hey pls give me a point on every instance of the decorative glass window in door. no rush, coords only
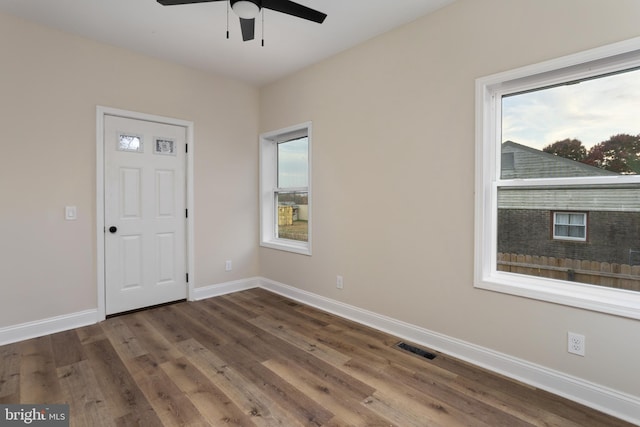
(165, 146)
(128, 142)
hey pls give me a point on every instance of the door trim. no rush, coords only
(101, 112)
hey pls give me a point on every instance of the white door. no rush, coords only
(145, 210)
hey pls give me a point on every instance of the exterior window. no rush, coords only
(570, 226)
(292, 192)
(554, 141)
(285, 194)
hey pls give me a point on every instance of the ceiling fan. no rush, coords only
(247, 10)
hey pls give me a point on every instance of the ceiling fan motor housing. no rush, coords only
(246, 9)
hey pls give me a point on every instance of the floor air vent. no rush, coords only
(415, 350)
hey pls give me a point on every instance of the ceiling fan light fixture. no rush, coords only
(245, 9)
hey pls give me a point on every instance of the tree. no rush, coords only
(620, 153)
(568, 148)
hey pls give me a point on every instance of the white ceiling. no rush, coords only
(195, 34)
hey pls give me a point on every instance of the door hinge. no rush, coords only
(187, 277)
(186, 213)
(186, 148)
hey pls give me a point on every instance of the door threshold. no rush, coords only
(136, 310)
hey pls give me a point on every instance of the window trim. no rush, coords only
(269, 187)
(585, 225)
(489, 92)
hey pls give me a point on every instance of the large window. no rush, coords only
(557, 157)
(285, 191)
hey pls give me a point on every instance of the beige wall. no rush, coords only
(393, 137)
(50, 85)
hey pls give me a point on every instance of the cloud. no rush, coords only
(591, 111)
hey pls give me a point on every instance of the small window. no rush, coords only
(165, 146)
(285, 190)
(128, 142)
(570, 226)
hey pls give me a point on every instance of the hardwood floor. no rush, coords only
(254, 358)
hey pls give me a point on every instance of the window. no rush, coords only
(555, 141)
(570, 226)
(285, 189)
(130, 143)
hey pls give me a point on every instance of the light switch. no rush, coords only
(70, 213)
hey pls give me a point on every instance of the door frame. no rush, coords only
(101, 112)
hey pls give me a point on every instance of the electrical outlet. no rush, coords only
(228, 266)
(339, 282)
(576, 343)
(70, 213)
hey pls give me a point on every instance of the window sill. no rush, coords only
(301, 248)
(618, 302)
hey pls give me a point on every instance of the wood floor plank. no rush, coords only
(10, 373)
(150, 339)
(300, 340)
(67, 348)
(302, 407)
(91, 333)
(283, 309)
(538, 404)
(243, 308)
(38, 377)
(512, 404)
(123, 339)
(245, 394)
(122, 394)
(255, 358)
(83, 394)
(441, 389)
(216, 407)
(187, 317)
(392, 392)
(172, 406)
(331, 376)
(346, 407)
(222, 330)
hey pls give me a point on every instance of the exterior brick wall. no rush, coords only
(610, 236)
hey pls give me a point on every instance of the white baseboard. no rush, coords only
(52, 325)
(225, 288)
(613, 402)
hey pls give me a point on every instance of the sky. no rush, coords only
(293, 163)
(591, 111)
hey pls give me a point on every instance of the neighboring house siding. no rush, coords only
(582, 200)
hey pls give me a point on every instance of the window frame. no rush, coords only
(584, 225)
(489, 92)
(269, 189)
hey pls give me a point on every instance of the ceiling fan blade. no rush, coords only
(176, 2)
(294, 9)
(248, 28)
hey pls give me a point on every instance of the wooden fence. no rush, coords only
(621, 276)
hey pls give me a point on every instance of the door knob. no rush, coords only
(113, 229)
